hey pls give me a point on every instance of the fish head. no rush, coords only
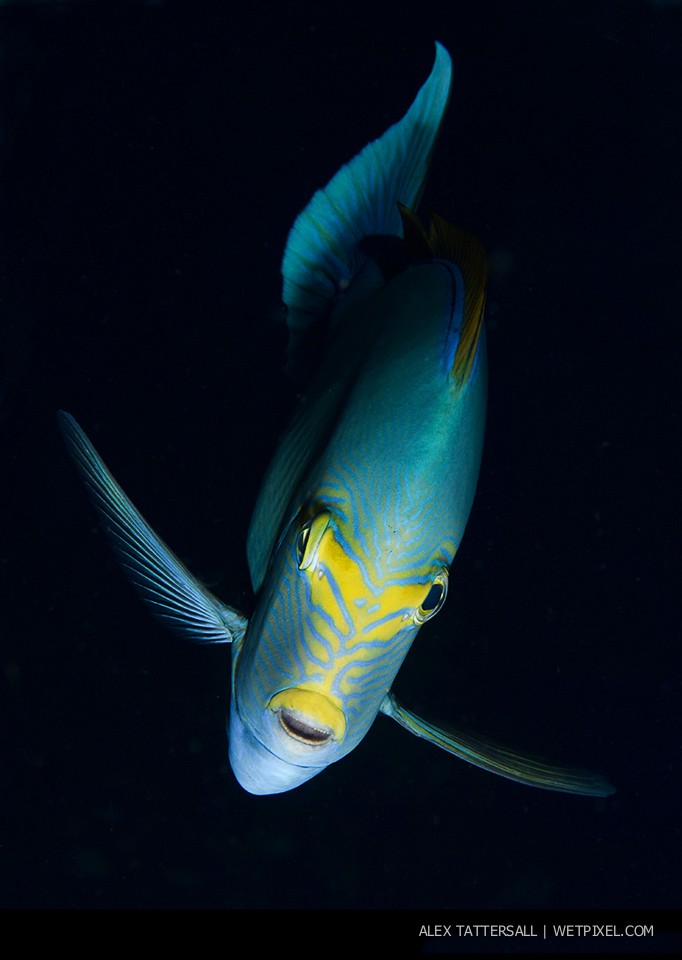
(322, 649)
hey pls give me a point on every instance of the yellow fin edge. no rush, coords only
(448, 242)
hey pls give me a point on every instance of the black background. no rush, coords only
(153, 159)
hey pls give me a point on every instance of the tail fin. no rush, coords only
(321, 256)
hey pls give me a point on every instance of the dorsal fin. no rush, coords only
(322, 256)
(466, 251)
(448, 242)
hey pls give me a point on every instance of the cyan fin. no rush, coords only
(174, 595)
(490, 756)
(321, 257)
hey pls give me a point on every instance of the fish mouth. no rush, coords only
(302, 730)
(257, 768)
(308, 716)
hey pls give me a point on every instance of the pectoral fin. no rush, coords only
(497, 759)
(174, 595)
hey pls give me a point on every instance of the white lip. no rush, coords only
(256, 768)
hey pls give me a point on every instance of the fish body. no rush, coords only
(367, 497)
(386, 504)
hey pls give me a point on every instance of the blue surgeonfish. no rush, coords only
(365, 503)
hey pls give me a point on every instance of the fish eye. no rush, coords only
(434, 599)
(308, 539)
(301, 542)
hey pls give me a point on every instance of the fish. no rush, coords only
(368, 494)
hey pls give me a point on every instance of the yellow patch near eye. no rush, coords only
(347, 610)
(357, 613)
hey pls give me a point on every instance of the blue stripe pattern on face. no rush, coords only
(343, 624)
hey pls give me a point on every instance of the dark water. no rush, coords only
(152, 163)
